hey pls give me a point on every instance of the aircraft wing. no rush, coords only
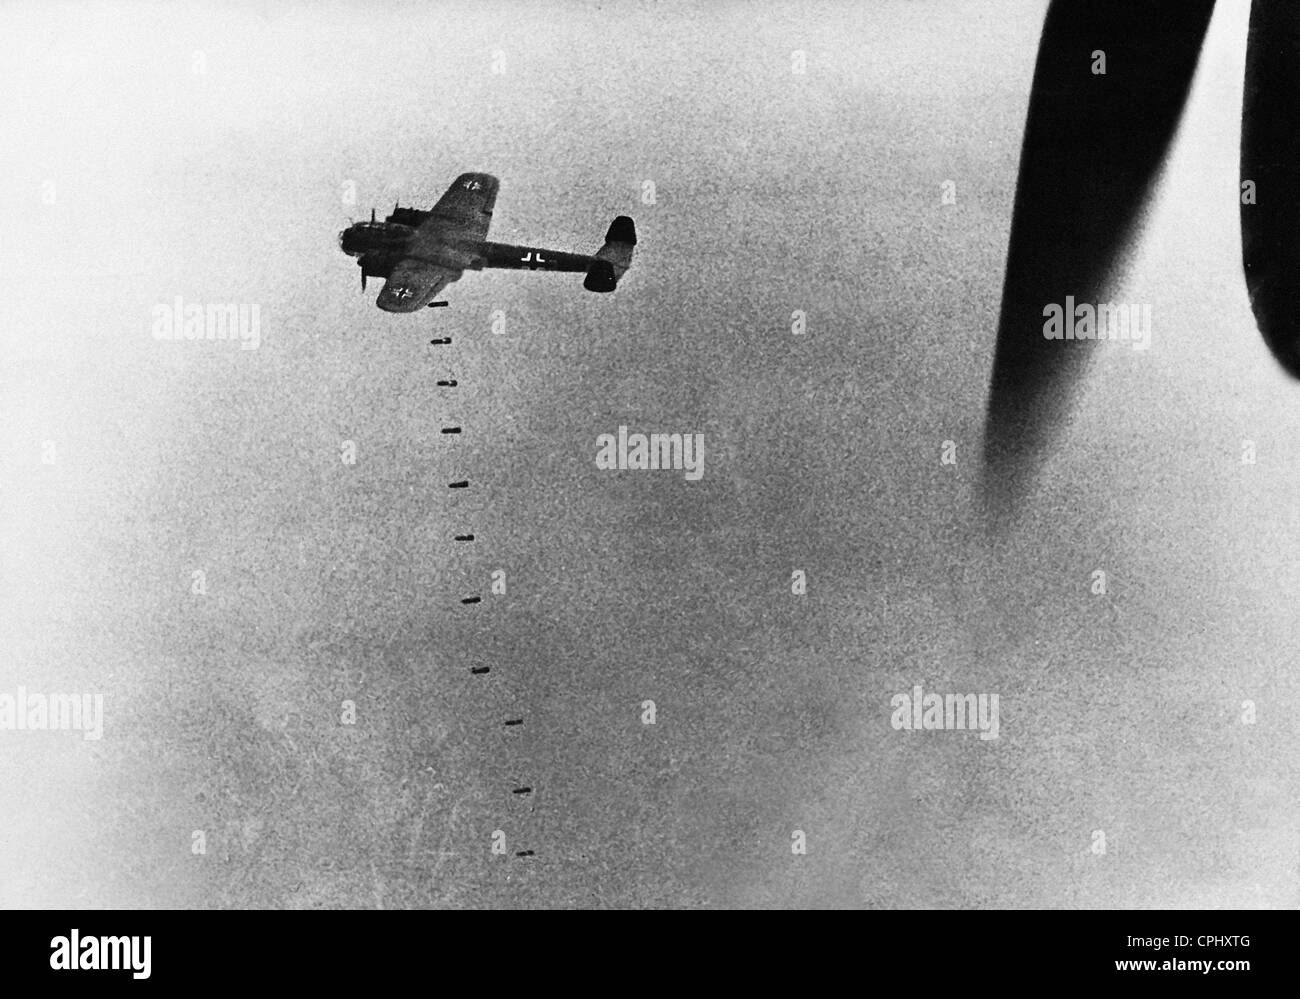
(465, 211)
(413, 284)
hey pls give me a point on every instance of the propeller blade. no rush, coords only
(1270, 250)
(363, 279)
(372, 215)
(1093, 146)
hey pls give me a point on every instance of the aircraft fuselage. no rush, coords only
(419, 253)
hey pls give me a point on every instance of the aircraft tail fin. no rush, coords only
(614, 258)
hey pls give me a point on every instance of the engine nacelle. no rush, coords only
(374, 239)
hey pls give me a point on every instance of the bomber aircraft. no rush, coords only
(419, 253)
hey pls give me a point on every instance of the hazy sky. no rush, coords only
(209, 152)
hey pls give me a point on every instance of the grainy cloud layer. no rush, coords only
(205, 153)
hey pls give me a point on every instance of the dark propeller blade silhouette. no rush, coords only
(1094, 142)
(1270, 160)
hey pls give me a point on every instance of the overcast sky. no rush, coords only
(211, 152)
